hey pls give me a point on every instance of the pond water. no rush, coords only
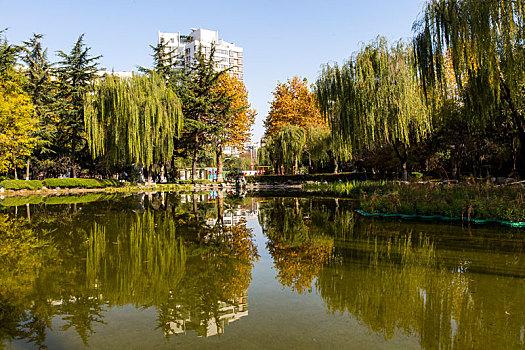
(164, 270)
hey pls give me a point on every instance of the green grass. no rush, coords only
(80, 183)
(351, 187)
(480, 202)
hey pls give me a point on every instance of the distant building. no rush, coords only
(249, 148)
(183, 48)
(103, 70)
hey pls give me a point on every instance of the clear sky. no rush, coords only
(280, 38)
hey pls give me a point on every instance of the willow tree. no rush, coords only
(375, 100)
(285, 148)
(134, 119)
(322, 147)
(485, 40)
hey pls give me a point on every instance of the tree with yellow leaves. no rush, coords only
(293, 104)
(16, 123)
(238, 119)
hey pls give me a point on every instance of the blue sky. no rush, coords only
(280, 38)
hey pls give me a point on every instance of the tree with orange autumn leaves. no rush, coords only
(293, 113)
(238, 121)
(293, 104)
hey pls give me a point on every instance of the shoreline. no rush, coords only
(134, 189)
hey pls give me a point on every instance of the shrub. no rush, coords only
(21, 184)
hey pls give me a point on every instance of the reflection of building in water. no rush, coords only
(236, 215)
(228, 312)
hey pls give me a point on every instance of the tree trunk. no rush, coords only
(405, 172)
(403, 159)
(163, 174)
(336, 166)
(219, 164)
(16, 173)
(27, 169)
(296, 167)
(149, 176)
(194, 160)
(73, 155)
(519, 121)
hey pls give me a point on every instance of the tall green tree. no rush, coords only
(205, 107)
(375, 100)
(485, 42)
(163, 61)
(75, 73)
(42, 91)
(133, 120)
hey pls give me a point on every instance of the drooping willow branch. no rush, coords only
(134, 119)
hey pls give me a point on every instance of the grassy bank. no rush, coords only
(350, 188)
(344, 177)
(471, 202)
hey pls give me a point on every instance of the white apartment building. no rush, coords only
(183, 48)
(123, 74)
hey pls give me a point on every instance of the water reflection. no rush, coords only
(77, 262)
(297, 248)
(449, 289)
(189, 260)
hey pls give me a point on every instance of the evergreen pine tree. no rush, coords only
(204, 106)
(75, 72)
(163, 61)
(42, 92)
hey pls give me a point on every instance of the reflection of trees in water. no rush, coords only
(297, 249)
(110, 255)
(433, 281)
(398, 282)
